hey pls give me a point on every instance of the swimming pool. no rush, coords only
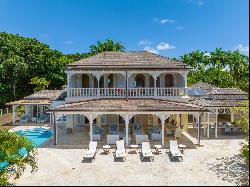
(37, 135)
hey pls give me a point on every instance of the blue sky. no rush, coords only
(167, 27)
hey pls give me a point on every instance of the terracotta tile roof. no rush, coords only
(206, 103)
(43, 97)
(46, 94)
(203, 86)
(130, 105)
(118, 59)
(209, 89)
(228, 91)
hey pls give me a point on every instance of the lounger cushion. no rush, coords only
(120, 153)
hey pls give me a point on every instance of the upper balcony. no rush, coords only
(83, 85)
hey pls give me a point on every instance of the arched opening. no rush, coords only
(169, 80)
(101, 83)
(95, 83)
(140, 81)
(110, 81)
(85, 81)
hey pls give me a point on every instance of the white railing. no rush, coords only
(170, 92)
(121, 92)
(112, 92)
(82, 92)
(140, 92)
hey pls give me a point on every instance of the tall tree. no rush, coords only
(220, 68)
(108, 45)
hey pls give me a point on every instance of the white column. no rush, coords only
(98, 86)
(68, 78)
(7, 110)
(198, 121)
(55, 128)
(184, 75)
(127, 123)
(155, 91)
(90, 127)
(216, 123)
(208, 130)
(13, 114)
(232, 116)
(50, 118)
(1, 112)
(162, 129)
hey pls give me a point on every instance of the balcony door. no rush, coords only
(111, 81)
(85, 81)
(169, 80)
(140, 81)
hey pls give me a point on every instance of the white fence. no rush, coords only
(121, 92)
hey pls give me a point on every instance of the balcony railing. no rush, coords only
(121, 92)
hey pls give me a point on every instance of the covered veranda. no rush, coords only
(33, 109)
(126, 109)
(220, 112)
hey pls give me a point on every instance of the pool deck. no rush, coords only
(201, 165)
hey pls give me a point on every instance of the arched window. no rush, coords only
(110, 81)
(169, 80)
(85, 81)
(139, 81)
(101, 83)
(95, 83)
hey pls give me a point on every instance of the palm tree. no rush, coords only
(108, 45)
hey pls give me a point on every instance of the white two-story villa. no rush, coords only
(135, 96)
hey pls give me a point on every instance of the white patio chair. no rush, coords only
(91, 152)
(175, 151)
(146, 151)
(120, 151)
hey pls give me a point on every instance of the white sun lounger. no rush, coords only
(91, 152)
(175, 151)
(120, 151)
(146, 151)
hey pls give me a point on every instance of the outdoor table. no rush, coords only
(182, 147)
(134, 147)
(157, 148)
(106, 149)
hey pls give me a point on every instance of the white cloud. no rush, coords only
(243, 49)
(151, 49)
(163, 21)
(68, 42)
(144, 42)
(179, 28)
(196, 2)
(164, 46)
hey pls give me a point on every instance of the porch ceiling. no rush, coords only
(131, 105)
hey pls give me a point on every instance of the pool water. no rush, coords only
(37, 135)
